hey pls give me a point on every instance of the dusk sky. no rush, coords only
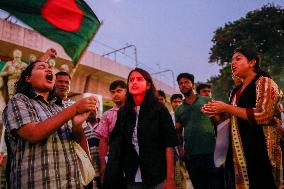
(168, 34)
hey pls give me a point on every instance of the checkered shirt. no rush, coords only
(93, 142)
(51, 163)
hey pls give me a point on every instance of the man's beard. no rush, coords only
(187, 92)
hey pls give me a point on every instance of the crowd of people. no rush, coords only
(138, 143)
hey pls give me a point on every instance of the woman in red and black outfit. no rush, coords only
(255, 155)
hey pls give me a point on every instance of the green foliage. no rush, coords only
(222, 84)
(263, 28)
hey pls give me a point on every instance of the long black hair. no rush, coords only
(24, 87)
(250, 52)
(150, 100)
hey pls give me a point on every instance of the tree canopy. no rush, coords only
(263, 28)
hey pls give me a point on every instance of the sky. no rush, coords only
(168, 34)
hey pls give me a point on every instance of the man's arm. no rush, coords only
(103, 149)
(179, 129)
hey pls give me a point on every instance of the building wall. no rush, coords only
(93, 74)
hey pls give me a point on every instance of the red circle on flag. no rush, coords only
(63, 14)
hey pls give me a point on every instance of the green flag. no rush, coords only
(71, 23)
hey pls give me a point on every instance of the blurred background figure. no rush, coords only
(32, 58)
(162, 97)
(204, 89)
(12, 70)
(62, 87)
(117, 91)
(93, 143)
(176, 100)
(64, 68)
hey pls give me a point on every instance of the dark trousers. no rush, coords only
(203, 173)
(97, 184)
(141, 186)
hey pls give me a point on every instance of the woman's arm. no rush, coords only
(217, 107)
(37, 131)
(170, 180)
(267, 97)
(77, 128)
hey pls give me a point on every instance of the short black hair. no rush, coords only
(187, 76)
(162, 93)
(117, 83)
(63, 74)
(175, 96)
(202, 86)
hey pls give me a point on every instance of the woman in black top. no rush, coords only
(147, 135)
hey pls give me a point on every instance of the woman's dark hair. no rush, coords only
(250, 52)
(150, 100)
(24, 87)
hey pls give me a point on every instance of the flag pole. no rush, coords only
(84, 51)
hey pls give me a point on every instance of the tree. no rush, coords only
(222, 84)
(263, 28)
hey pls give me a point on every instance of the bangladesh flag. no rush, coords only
(71, 23)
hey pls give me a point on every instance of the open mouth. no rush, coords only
(49, 77)
(133, 88)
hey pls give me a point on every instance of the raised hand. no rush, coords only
(214, 107)
(50, 53)
(80, 118)
(86, 104)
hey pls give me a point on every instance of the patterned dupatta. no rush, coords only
(240, 167)
(271, 133)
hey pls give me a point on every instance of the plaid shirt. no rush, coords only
(93, 142)
(51, 163)
(107, 122)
